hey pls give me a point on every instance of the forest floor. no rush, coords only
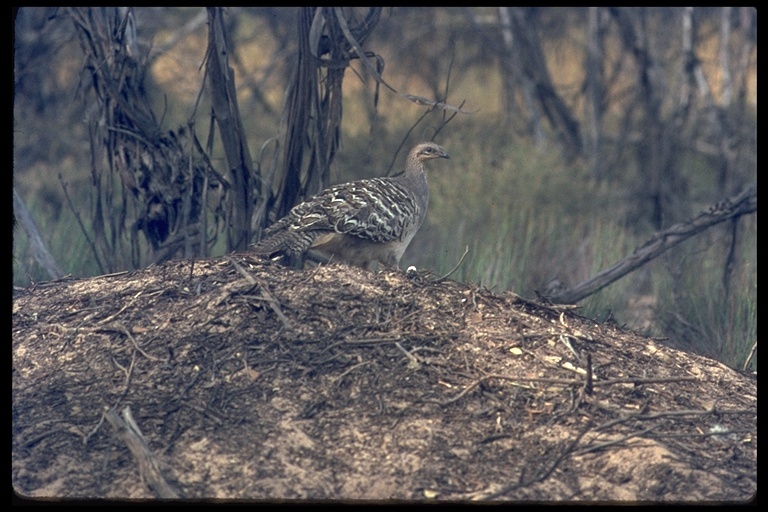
(236, 378)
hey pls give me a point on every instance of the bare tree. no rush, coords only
(328, 39)
(732, 113)
(657, 145)
(516, 80)
(525, 73)
(164, 175)
(240, 168)
(158, 180)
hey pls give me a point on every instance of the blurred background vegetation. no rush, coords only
(575, 135)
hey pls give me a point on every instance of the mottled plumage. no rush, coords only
(360, 222)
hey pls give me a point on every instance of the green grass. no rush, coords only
(59, 229)
(694, 309)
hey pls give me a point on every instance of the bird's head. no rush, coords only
(427, 151)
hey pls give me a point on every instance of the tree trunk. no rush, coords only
(224, 99)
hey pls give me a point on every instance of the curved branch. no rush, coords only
(741, 204)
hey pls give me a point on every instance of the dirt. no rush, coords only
(236, 378)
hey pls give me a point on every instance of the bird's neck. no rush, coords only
(414, 168)
(416, 178)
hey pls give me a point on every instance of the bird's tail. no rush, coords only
(284, 242)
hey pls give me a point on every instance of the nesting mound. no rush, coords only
(238, 378)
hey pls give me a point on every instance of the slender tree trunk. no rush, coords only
(301, 99)
(595, 91)
(516, 80)
(225, 108)
(726, 83)
(657, 145)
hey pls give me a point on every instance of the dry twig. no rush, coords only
(127, 430)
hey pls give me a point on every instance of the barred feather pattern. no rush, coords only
(366, 220)
(379, 209)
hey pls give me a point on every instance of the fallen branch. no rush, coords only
(39, 249)
(606, 444)
(643, 416)
(741, 204)
(544, 474)
(473, 385)
(265, 294)
(564, 382)
(128, 431)
(638, 381)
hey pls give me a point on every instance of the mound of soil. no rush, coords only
(238, 378)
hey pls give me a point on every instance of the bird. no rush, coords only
(365, 223)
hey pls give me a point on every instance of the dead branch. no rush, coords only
(443, 278)
(741, 204)
(118, 327)
(601, 446)
(127, 430)
(544, 474)
(159, 181)
(611, 382)
(749, 357)
(265, 294)
(564, 382)
(39, 249)
(232, 132)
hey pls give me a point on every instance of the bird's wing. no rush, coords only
(378, 209)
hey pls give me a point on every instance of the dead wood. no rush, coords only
(741, 204)
(129, 432)
(39, 248)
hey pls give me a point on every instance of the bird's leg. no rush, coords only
(317, 257)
